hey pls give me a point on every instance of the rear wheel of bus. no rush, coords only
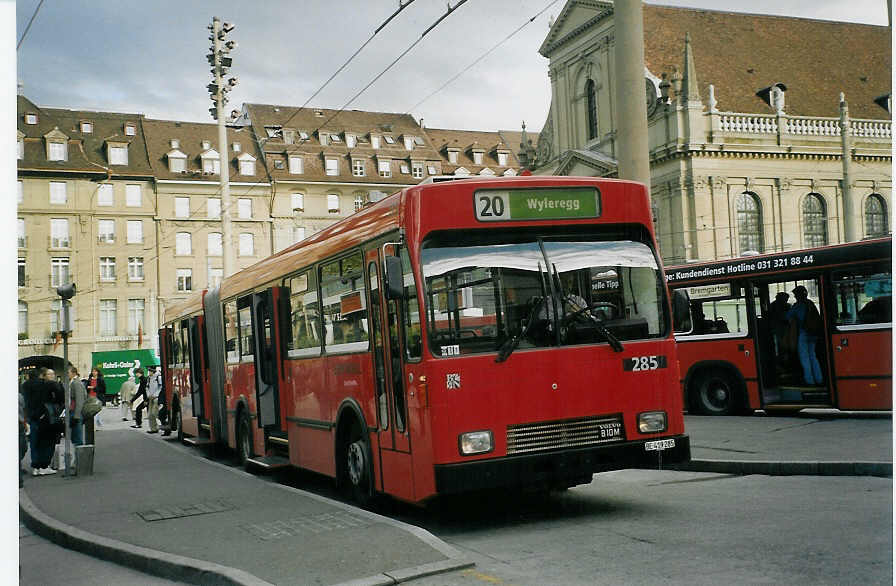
(716, 392)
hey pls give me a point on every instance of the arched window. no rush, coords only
(749, 222)
(592, 109)
(875, 216)
(815, 224)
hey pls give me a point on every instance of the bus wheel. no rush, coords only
(715, 393)
(243, 439)
(357, 462)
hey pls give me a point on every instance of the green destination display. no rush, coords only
(565, 203)
(118, 365)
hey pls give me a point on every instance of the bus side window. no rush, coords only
(681, 311)
(864, 296)
(304, 339)
(413, 343)
(231, 333)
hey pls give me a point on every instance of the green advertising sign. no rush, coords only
(118, 365)
(549, 203)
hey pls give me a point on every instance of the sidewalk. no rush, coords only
(169, 512)
(816, 442)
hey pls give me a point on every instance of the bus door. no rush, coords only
(862, 336)
(779, 346)
(266, 357)
(197, 367)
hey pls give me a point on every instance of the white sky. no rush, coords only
(149, 57)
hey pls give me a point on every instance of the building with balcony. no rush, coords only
(745, 125)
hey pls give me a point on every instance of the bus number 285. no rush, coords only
(643, 363)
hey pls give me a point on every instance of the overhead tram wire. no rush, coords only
(30, 22)
(481, 57)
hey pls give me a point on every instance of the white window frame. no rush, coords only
(350, 140)
(60, 271)
(359, 201)
(247, 167)
(57, 150)
(297, 200)
(181, 207)
(177, 163)
(58, 192)
(359, 167)
(105, 195)
(298, 234)
(244, 208)
(60, 236)
(86, 127)
(237, 147)
(184, 279)
(133, 195)
(107, 269)
(384, 168)
(375, 141)
(118, 154)
(215, 276)
(135, 268)
(104, 233)
(136, 316)
(296, 165)
(333, 203)
(452, 157)
(477, 158)
(215, 244)
(211, 164)
(30, 118)
(502, 159)
(183, 244)
(20, 149)
(247, 244)
(417, 170)
(213, 207)
(389, 139)
(130, 129)
(332, 166)
(408, 143)
(135, 232)
(23, 317)
(108, 317)
(21, 239)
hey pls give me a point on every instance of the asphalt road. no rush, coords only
(642, 527)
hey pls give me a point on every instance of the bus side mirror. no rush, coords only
(681, 311)
(394, 278)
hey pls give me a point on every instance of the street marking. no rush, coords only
(483, 577)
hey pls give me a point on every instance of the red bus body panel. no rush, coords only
(863, 362)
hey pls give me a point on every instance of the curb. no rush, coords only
(880, 469)
(149, 561)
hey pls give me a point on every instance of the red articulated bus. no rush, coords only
(740, 347)
(456, 336)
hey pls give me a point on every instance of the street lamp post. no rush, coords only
(66, 292)
(220, 61)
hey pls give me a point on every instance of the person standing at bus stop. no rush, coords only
(805, 317)
(153, 388)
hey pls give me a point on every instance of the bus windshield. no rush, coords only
(543, 292)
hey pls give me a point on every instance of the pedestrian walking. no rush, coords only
(78, 396)
(127, 391)
(23, 436)
(43, 405)
(153, 388)
(805, 318)
(139, 400)
(97, 384)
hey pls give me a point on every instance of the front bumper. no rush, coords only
(557, 469)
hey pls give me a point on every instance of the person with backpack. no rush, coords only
(805, 318)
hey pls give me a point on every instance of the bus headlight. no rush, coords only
(652, 422)
(476, 442)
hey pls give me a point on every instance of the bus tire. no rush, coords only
(243, 439)
(716, 392)
(357, 467)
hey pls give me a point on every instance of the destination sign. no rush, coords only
(549, 203)
(781, 262)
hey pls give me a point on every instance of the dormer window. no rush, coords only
(418, 141)
(502, 159)
(57, 145)
(404, 168)
(323, 137)
(384, 168)
(130, 129)
(409, 143)
(177, 161)
(86, 127)
(289, 136)
(30, 118)
(118, 153)
(247, 164)
(375, 141)
(296, 165)
(211, 162)
(303, 135)
(332, 166)
(388, 139)
(432, 169)
(477, 157)
(206, 144)
(350, 140)
(272, 131)
(334, 138)
(237, 147)
(175, 144)
(452, 156)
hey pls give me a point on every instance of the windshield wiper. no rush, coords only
(510, 345)
(614, 342)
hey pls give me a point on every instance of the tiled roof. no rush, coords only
(742, 53)
(87, 151)
(190, 136)
(490, 142)
(315, 121)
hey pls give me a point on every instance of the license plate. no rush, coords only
(659, 445)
